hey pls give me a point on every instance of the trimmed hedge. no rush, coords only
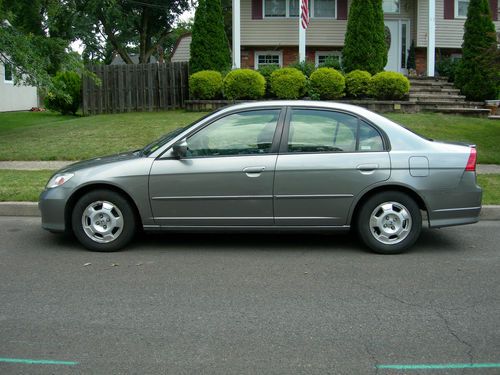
(69, 95)
(288, 83)
(357, 83)
(328, 83)
(389, 86)
(244, 84)
(206, 84)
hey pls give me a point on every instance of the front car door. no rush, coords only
(326, 158)
(226, 179)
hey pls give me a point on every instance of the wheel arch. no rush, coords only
(383, 188)
(70, 204)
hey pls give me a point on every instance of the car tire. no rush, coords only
(103, 220)
(389, 222)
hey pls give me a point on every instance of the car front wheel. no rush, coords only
(103, 220)
(389, 222)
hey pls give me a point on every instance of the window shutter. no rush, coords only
(256, 9)
(341, 9)
(449, 9)
(494, 9)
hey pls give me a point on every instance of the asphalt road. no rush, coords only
(249, 304)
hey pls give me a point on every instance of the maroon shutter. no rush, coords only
(494, 9)
(449, 9)
(256, 9)
(341, 9)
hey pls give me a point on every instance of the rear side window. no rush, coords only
(330, 131)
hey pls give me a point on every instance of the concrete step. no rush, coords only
(438, 85)
(495, 117)
(473, 112)
(435, 96)
(434, 89)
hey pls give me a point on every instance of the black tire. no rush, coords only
(389, 222)
(110, 221)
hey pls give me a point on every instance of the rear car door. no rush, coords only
(326, 159)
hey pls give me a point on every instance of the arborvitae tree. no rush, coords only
(478, 73)
(364, 44)
(209, 45)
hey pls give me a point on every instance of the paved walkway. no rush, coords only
(53, 165)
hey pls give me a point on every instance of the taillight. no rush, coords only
(471, 163)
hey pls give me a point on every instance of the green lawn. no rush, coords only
(49, 136)
(18, 186)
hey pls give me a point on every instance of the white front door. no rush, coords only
(397, 36)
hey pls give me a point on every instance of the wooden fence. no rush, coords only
(140, 87)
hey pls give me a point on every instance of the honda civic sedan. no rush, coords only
(271, 166)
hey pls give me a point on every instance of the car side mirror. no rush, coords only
(180, 148)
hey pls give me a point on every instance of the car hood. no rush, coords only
(96, 162)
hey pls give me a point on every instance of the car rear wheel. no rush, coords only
(389, 222)
(103, 220)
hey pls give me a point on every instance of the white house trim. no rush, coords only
(236, 35)
(431, 39)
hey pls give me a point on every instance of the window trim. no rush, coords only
(457, 16)
(287, 12)
(5, 80)
(399, 8)
(258, 53)
(326, 53)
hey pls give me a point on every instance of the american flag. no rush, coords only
(304, 5)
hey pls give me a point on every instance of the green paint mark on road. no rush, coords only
(37, 361)
(444, 366)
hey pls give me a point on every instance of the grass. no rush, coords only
(482, 132)
(49, 136)
(19, 186)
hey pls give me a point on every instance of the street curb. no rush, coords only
(488, 212)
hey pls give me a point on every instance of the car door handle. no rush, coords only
(364, 168)
(254, 170)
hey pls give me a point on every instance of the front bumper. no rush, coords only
(52, 204)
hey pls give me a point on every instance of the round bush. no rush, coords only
(288, 83)
(266, 72)
(328, 83)
(67, 94)
(244, 84)
(206, 84)
(357, 83)
(389, 86)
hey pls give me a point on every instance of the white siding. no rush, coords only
(321, 32)
(16, 98)
(182, 52)
(449, 33)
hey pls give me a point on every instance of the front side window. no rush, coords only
(390, 6)
(7, 73)
(461, 7)
(244, 133)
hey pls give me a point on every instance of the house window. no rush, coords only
(263, 58)
(322, 56)
(391, 6)
(7, 73)
(461, 7)
(290, 8)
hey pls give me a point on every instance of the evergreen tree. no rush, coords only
(209, 45)
(364, 44)
(478, 73)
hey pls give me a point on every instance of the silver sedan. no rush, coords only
(277, 165)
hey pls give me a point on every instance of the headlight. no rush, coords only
(59, 179)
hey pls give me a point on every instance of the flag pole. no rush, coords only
(302, 36)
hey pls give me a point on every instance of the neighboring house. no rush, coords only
(266, 31)
(181, 51)
(117, 59)
(15, 97)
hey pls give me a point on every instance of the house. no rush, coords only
(117, 59)
(267, 32)
(181, 51)
(15, 97)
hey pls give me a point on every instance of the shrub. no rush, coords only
(447, 67)
(266, 71)
(327, 83)
(244, 84)
(357, 83)
(67, 95)
(305, 67)
(288, 83)
(206, 84)
(389, 85)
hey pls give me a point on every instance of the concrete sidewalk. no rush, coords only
(58, 164)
